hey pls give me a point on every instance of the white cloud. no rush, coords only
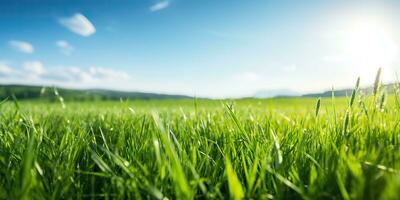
(159, 6)
(21, 46)
(30, 71)
(34, 69)
(64, 47)
(108, 74)
(71, 74)
(91, 75)
(78, 24)
(5, 70)
(34, 72)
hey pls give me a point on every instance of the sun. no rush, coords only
(368, 45)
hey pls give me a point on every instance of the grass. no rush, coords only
(300, 148)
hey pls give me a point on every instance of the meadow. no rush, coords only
(283, 148)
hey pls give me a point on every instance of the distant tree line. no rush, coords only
(48, 93)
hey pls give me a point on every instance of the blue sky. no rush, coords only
(212, 48)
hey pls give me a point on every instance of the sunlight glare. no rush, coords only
(368, 45)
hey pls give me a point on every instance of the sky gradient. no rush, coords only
(208, 48)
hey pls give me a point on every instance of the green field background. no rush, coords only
(283, 148)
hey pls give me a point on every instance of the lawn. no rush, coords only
(284, 148)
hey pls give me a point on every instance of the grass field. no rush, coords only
(300, 148)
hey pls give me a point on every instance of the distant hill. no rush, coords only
(48, 93)
(36, 92)
(347, 92)
(276, 93)
(338, 93)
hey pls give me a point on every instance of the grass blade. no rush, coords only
(317, 106)
(354, 93)
(235, 187)
(377, 82)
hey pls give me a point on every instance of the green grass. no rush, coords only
(342, 148)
